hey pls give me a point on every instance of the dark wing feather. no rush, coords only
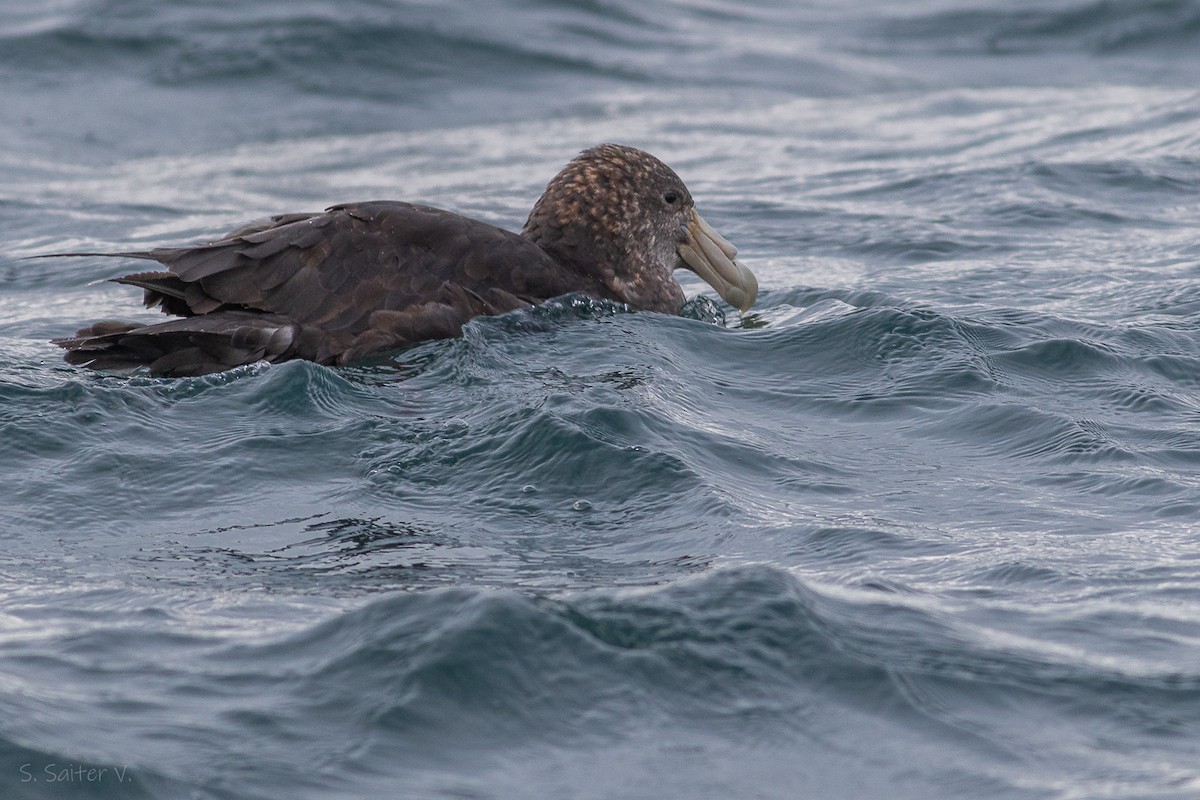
(336, 269)
(194, 345)
(355, 280)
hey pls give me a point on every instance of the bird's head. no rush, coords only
(625, 217)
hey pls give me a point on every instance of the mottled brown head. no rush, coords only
(624, 219)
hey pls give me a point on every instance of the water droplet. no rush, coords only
(581, 505)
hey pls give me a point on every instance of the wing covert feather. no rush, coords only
(337, 268)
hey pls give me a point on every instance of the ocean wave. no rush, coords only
(185, 44)
(1094, 26)
(465, 684)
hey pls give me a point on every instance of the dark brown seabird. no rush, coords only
(366, 278)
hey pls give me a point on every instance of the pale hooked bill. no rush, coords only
(714, 259)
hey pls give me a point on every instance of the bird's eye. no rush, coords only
(670, 197)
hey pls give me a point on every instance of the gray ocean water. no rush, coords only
(923, 524)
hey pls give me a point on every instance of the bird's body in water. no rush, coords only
(366, 278)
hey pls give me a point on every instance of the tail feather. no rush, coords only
(148, 255)
(184, 347)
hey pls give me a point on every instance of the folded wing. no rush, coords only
(331, 287)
